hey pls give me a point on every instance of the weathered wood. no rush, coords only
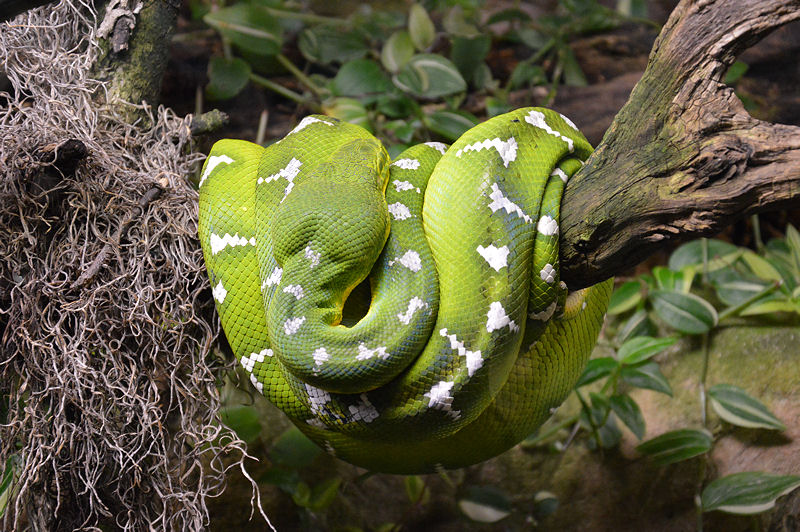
(682, 158)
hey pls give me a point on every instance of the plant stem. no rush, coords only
(757, 233)
(283, 91)
(297, 73)
(551, 431)
(306, 17)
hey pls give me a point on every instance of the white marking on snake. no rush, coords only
(497, 318)
(441, 399)
(568, 121)
(560, 173)
(474, 360)
(438, 146)
(218, 243)
(414, 304)
(544, 315)
(288, 173)
(365, 353)
(259, 386)
(547, 226)
(295, 289)
(401, 186)
(292, 325)
(213, 162)
(536, 118)
(410, 260)
(307, 121)
(496, 257)
(506, 149)
(317, 398)
(548, 274)
(320, 355)
(363, 411)
(316, 422)
(219, 293)
(406, 164)
(248, 362)
(399, 211)
(273, 279)
(313, 256)
(499, 201)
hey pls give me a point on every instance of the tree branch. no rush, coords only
(682, 158)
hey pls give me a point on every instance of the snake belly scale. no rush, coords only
(470, 339)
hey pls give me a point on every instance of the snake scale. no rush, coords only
(467, 340)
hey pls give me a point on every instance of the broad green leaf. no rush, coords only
(301, 494)
(415, 488)
(349, 110)
(669, 280)
(482, 77)
(403, 130)
(770, 307)
(496, 106)
(420, 27)
(639, 324)
(468, 54)
(544, 503)
(326, 44)
(761, 267)
(687, 313)
(641, 348)
(397, 105)
(397, 50)
(484, 504)
(691, 253)
(793, 240)
(733, 287)
(243, 420)
(533, 39)
(647, 375)
(511, 14)
(735, 406)
(525, 74)
(449, 124)
(677, 445)
(608, 433)
(360, 77)
(573, 74)
(625, 297)
(430, 76)
(324, 493)
(226, 77)
(735, 72)
(596, 369)
(293, 449)
(249, 27)
(747, 493)
(629, 413)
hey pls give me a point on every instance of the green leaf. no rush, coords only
(402, 130)
(544, 503)
(760, 308)
(243, 420)
(326, 44)
(793, 240)
(687, 313)
(533, 39)
(397, 50)
(625, 297)
(349, 110)
(293, 449)
(629, 413)
(323, 494)
(397, 105)
(596, 369)
(735, 72)
(484, 504)
(301, 494)
(669, 280)
(647, 375)
(733, 287)
(632, 8)
(677, 445)
(608, 434)
(449, 124)
(641, 348)
(360, 77)
(761, 267)
(421, 28)
(735, 406)
(226, 78)
(525, 74)
(496, 106)
(285, 479)
(691, 253)
(430, 76)
(638, 324)
(747, 493)
(415, 488)
(468, 54)
(573, 74)
(511, 14)
(249, 27)
(7, 486)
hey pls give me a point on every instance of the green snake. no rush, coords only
(468, 339)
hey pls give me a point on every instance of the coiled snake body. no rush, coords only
(470, 339)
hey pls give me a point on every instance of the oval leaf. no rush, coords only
(747, 493)
(249, 27)
(625, 297)
(647, 375)
(639, 324)
(485, 504)
(629, 413)
(449, 124)
(677, 445)
(326, 44)
(397, 51)
(420, 27)
(641, 348)
(430, 76)
(468, 54)
(735, 406)
(226, 77)
(349, 110)
(360, 77)
(294, 450)
(691, 253)
(686, 313)
(596, 369)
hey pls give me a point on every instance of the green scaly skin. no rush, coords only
(470, 340)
